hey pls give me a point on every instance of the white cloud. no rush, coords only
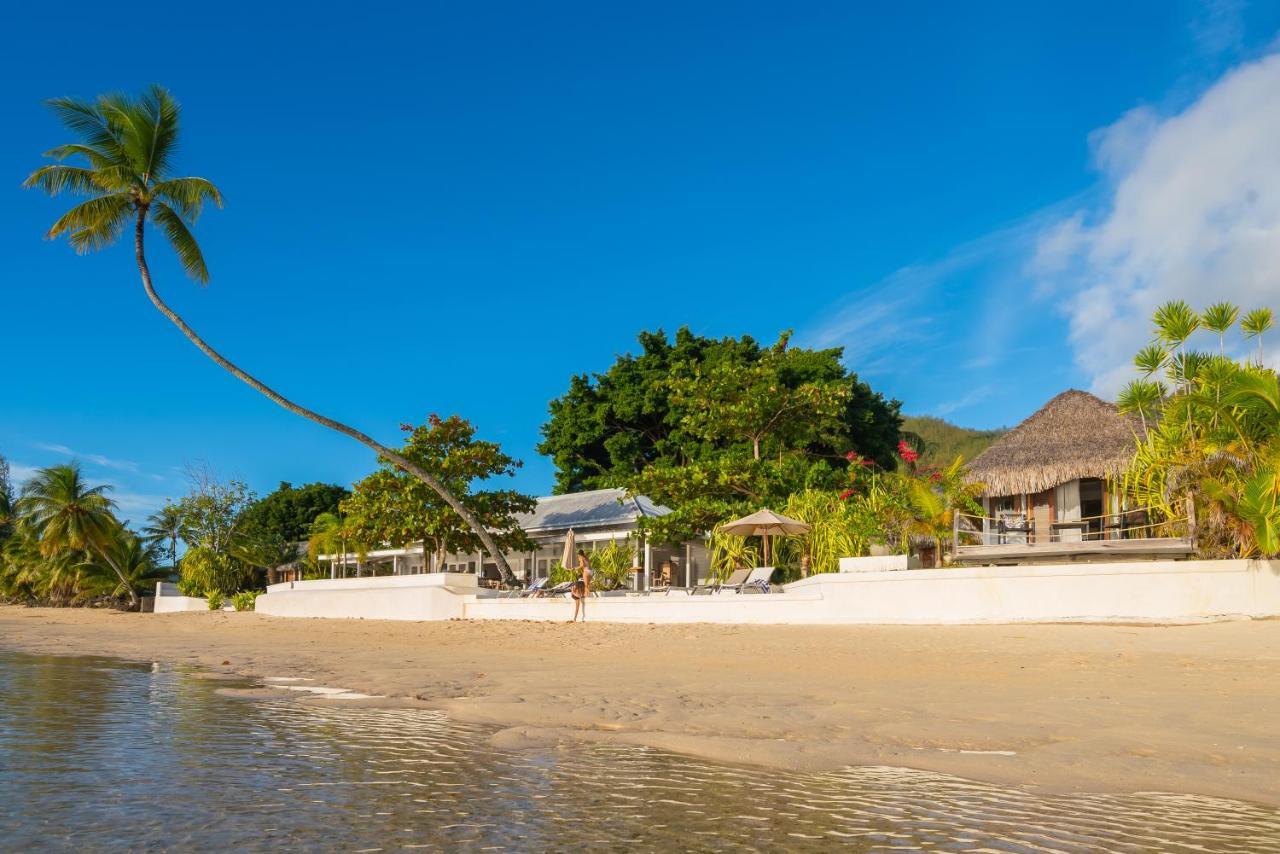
(20, 473)
(96, 459)
(1192, 212)
(1218, 26)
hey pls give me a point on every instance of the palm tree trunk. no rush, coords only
(324, 421)
(133, 596)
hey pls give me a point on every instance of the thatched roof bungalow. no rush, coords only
(1054, 475)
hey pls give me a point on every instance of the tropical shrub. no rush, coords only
(204, 569)
(611, 565)
(836, 530)
(244, 600)
(214, 600)
(559, 574)
(1210, 442)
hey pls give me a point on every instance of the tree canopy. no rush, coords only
(694, 399)
(394, 508)
(283, 519)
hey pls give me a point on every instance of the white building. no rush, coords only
(597, 518)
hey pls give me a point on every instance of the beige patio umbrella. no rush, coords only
(569, 559)
(765, 524)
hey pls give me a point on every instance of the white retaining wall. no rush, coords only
(1150, 591)
(434, 596)
(175, 604)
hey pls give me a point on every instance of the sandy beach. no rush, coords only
(1050, 707)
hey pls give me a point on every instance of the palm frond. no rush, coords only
(181, 239)
(57, 178)
(85, 120)
(98, 158)
(188, 195)
(95, 223)
(162, 111)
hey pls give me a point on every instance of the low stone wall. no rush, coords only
(1144, 591)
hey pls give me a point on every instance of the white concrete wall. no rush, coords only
(175, 604)
(1151, 591)
(434, 596)
(879, 563)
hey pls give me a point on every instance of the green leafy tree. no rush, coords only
(608, 428)
(389, 507)
(221, 553)
(125, 152)
(65, 514)
(284, 518)
(764, 403)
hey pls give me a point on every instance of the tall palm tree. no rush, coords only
(1255, 323)
(165, 527)
(128, 146)
(1219, 318)
(67, 514)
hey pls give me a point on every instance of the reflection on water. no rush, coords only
(98, 754)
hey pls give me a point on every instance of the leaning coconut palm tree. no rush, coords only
(66, 514)
(127, 148)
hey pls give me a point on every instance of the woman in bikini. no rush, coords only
(582, 587)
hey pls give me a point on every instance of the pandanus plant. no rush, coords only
(126, 148)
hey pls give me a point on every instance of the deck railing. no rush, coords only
(1019, 528)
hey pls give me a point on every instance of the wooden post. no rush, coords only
(955, 532)
(1191, 519)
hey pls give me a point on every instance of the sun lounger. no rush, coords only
(537, 588)
(757, 579)
(733, 582)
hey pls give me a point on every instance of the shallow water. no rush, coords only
(103, 755)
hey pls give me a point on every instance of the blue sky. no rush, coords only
(454, 207)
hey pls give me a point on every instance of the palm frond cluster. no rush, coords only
(1213, 430)
(62, 543)
(123, 166)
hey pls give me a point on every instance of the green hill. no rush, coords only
(944, 440)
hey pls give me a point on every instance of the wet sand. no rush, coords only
(1190, 709)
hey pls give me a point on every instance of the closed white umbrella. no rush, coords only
(765, 524)
(569, 560)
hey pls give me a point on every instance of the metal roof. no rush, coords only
(600, 508)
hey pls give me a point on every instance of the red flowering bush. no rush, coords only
(908, 453)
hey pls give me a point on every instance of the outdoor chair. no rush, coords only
(758, 580)
(537, 588)
(734, 582)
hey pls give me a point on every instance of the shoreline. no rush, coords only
(1050, 708)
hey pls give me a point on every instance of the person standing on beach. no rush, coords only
(582, 587)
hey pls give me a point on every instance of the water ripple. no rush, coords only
(108, 756)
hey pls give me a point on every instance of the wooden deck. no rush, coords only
(1078, 552)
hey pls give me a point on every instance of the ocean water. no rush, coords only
(100, 755)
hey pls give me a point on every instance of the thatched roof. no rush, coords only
(1074, 435)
